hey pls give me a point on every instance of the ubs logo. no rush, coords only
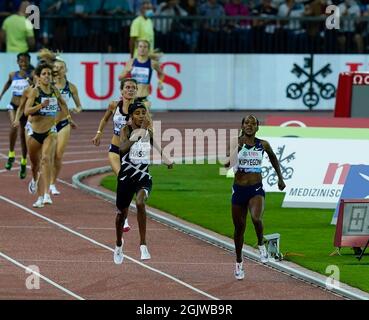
(310, 89)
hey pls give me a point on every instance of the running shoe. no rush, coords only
(53, 189)
(264, 257)
(47, 199)
(239, 273)
(126, 226)
(9, 163)
(145, 255)
(39, 203)
(23, 171)
(32, 186)
(118, 254)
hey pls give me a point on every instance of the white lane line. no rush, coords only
(92, 228)
(25, 227)
(64, 162)
(67, 183)
(86, 160)
(4, 170)
(109, 262)
(29, 270)
(82, 152)
(34, 213)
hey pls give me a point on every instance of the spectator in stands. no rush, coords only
(170, 8)
(241, 29)
(315, 8)
(214, 26)
(265, 29)
(296, 35)
(237, 8)
(215, 12)
(5, 8)
(349, 33)
(191, 33)
(54, 33)
(173, 34)
(17, 31)
(365, 25)
(142, 27)
(80, 25)
(191, 6)
(112, 29)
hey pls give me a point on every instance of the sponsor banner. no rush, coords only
(308, 132)
(300, 121)
(356, 186)
(311, 163)
(213, 81)
(317, 196)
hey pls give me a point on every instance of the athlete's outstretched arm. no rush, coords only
(165, 159)
(232, 161)
(156, 66)
(21, 107)
(7, 85)
(29, 108)
(127, 69)
(132, 44)
(63, 105)
(76, 99)
(103, 122)
(125, 141)
(275, 163)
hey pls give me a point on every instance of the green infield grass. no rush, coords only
(197, 193)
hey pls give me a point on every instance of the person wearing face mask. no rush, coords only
(142, 27)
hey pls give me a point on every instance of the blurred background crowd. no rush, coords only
(200, 26)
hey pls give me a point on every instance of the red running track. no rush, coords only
(71, 241)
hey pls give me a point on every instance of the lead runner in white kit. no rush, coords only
(248, 192)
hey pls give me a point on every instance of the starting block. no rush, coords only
(273, 246)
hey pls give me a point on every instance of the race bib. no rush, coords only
(140, 152)
(51, 109)
(141, 74)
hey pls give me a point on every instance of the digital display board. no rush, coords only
(352, 229)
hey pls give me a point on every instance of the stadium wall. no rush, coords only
(213, 81)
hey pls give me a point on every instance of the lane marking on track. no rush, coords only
(34, 213)
(128, 262)
(29, 270)
(67, 183)
(25, 227)
(81, 152)
(109, 229)
(85, 160)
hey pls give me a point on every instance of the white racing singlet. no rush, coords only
(250, 158)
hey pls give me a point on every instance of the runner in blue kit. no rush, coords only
(18, 82)
(248, 193)
(141, 69)
(134, 177)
